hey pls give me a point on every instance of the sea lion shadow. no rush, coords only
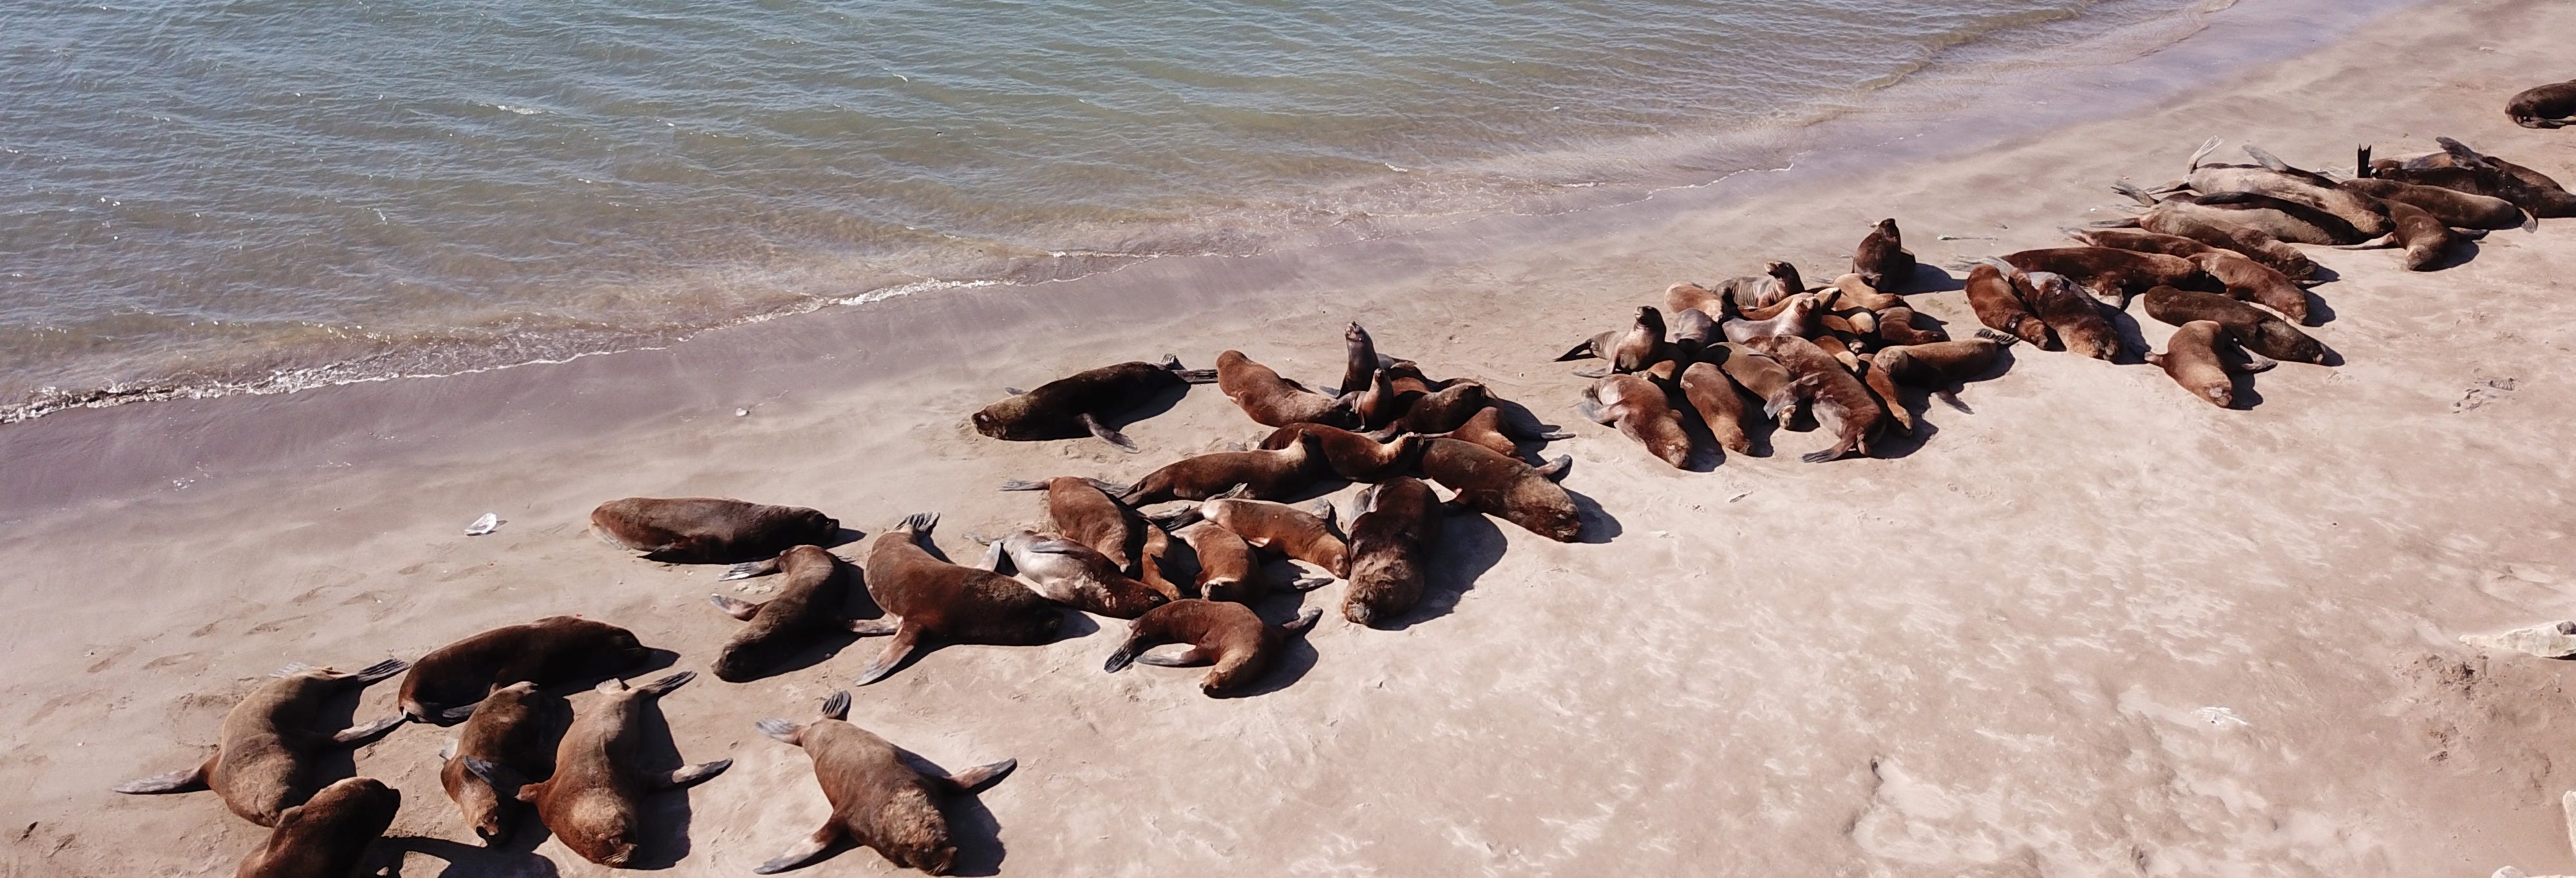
(971, 826)
(1469, 545)
(845, 536)
(1520, 421)
(662, 816)
(2319, 312)
(2243, 395)
(2133, 341)
(1893, 445)
(1146, 409)
(655, 659)
(465, 860)
(1076, 626)
(1599, 526)
(1931, 279)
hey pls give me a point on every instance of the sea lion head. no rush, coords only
(1786, 274)
(1652, 319)
(995, 420)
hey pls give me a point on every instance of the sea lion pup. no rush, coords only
(1381, 401)
(1485, 429)
(2000, 308)
(2193, 359)
(1882, 260)
(1719, 404)
(263, 764)
(1361, 361)
(591, 800)
(328, 836)
(1687, 296)
(1896, 326)
(1798, 319)
(1860, 293)
(2258, 330)
(1642, 412)
(1227, 568)
(444, 685)
(923, 595)
(2138, 240)
(2075, 318)
(1270, 474)
(1078, 509)
(1272, 401)
(1763, 377)
(1779, 280)
(1692, 330)
(2285, 220)
(2452, 207)
(1352, 456)
(1628, 350)
(2214, 228)
(709, 530)
(2424, 238)
(808, 605)
(1070, 573)
(508, 729)
(1227, 635)
(2254, 282)
(2111, 274)
(1287, 529)
(2543, 106)
(1502, 486)
(1391, 535)
(1080, 404)
(1842, 404)
(1157, 561)
(879, 800)
(1938, 366)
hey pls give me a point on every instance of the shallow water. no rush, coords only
(270, 194)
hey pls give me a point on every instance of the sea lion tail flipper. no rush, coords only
(447, 750)
(457, 714)
(1309, 583)
(696, 774)
(364, 732)
(1102, 432)
(1196, 376)
(1590, 409)
(906, 639)
(749, 569)
(1555, 470)
(2468, 234)
(182, 781)
(2076, 233)
(1997, 337)
(1023, 485)
(661, 687)
(837, 705)
(804, 851)
(784, 731)
(1304, 622)
(1113, 489)
(2206, 147)
(735, 607)
(2254, 362)
(2269, 161)
(378, 671)
(2382, 242)
(920, 523)
(1831, 454)
(1177, 520)
(501, 777)
(992, 560)
(1581, 350)
(2127, 188)
(1182, 659)
(979, 776)
(877, 627)
(2129, 223)
(1014, 391)
(1553, 436)
(1952, 397)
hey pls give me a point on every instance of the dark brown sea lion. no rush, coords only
(2111, 274)
(2451, 206)
(1719, 403)
(2461, 155)
(2255, 282)
(2466, 171)
(1282, 528)
(1352, 456)
(1272, 401)
(2139, 240)
(1693, 330)
(808, 605)
(507, 729)
(1936, 366)
(1073, 574)
(1628, 350)
(1779, 280)
(1999, 307)
(1896, 326)
(1391, 535)
(1081, 404)
(879, 800)
(708, 530)
(1641, 411)
(1686, 296)
(2543, 106)
(2425, 239)
(2257, 329)
(1361, 360)
(2273, 178)
(2285, 220)
(1381, 401)
(1227, 635)
(263, 764)
(2193, 359)
(1082, 512)
(2075, 318)
(592, 801)
(1502, 486)
(1797, 319)
(925, 596)
(328, 836)
(1842, 405)
(445, 684)
(1270, 475)
(2217, 229)
(1763, 377)
(1882, 260)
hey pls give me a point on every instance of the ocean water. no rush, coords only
(260, 195)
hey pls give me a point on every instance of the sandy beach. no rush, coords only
(2096, 628)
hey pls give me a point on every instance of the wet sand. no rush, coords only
(2096, 628)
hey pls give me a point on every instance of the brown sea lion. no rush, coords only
(591, 802)
(328, 836)
(263, 763)
(2254, 282)
(1882, 260)
(1227, 568)
(2214, 228)
(808, 605)
(2543, 106)
(1719, 403)
(2272, 178)
(1081, 404)
(1842, 405)
(1352, 456)
(1485, 429)
(924, 596)
(2258, 330)
(2461, 155)
(1270, 474)
(1391, 534)
(1687, 296)
(1158, 562)
(1628, 350)
(2193, 359)
(508, 729)
(2139, 240)
(708, 530)
(1272, 401)
(1763, 377)
(2468, 172)
(2451, 206)
(1450, 409)
(2425, 239)
(1779, 280)
(1073, 574)
(1852, 289)
(1642, 412)
(879, 800)
(1082, 512)
(1381, 401)
(1936, 366)
(1797, 319)
(2075, 318)
(1502, 486)
(1896, 326)
(1999, 307)
(444, 685)
(2111, 274)
(2284, 220)
(1227, 635)
(1361, 359)
(1283, 528)
(1692, 330)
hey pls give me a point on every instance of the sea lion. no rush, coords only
(1272, 401)
(2285, 220)
(591, 801)
(1073, 574)
(1228, 571)
(1692, 331)
(507, 729)
(2451, 206)
(1361, 360)
(1270, 474)
(2543, 106)
(444, 685)
(2139, 240)
(808, 605)
(1628, 350)
(2193, 360)
(1763, 377)
(263, 764)
(1687, 296)
(1779, 280)
(1157, 561)
(1797, 319)
(1937, 366)
(2210, 226)
(709, 530)
(1287, 529)
(1485, 429)
(1719, 404)
(2466, 171)
(1896, 326)
(1882, 260)
(1852, 289)
(2425, 239)
(2111, 274)
(1381, 401)
(879, 800)
(1352, 456)
(2273, 178)
(1080, 404)
(328, 836)
(2254, 282)
(1078, 509)
(1450, 409)
(2460, 154)
(1842, 405)
(2075, 318)
(1502, 486)
(1642, 412)
(1391, 532)
(2258, 330)
(923, 595)
(1227, 635)
(2000, 308)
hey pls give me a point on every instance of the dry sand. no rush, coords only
(2003, 652)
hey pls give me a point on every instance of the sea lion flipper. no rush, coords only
(1014, 391)
(1309, 583)
(364, 732)
(1305, 621)
(1581, 351)
(182, 781)
(992, 560)
(877, 627)
(1023, 485)
(661, 687)
(1555, 470)
(1182, 659)
(501, 777)
(1590, 409)
(837, 705)
(1553, 436)
(906, 638)
(804, 851)
(1594, 372)
(749, 569)
(973, 778)
(693, 774)
(735, 607)
(1103, 433)
(1952, 397)
(785, 731)
(2253, 363)
(1112, 489)
(457, 714)
(378, 671)
(1196, 376)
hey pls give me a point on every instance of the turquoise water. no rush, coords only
(212, 196)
